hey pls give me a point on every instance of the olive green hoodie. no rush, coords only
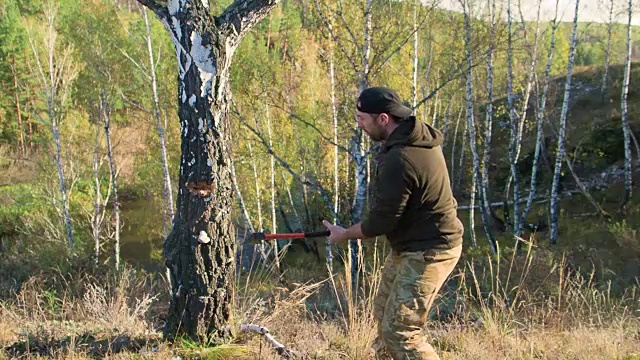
(412, 200)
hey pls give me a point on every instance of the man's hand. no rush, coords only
(338, 233)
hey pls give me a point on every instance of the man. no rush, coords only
(414, 207)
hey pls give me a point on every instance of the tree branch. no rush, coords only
(241, 15)
(161, 11)
(309, 124)
(336, 38)
(378, 67)
(325, 194)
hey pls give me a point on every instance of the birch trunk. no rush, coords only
(167, 191)
(471, 126)
(523, 114)
(336, 177)
(106, 121)
(96, 222)
(414, 61)
(540, 119)
(453, 150)
(200, 250)
(21, 143)
(463, 146)
(562, 132)
(486, 156)
(272, 182)
(607, 53)
(55, 78)
(358, 151)
(262, 247)
(628, 183)
(63, 187)
(243, 206)
(513, 122)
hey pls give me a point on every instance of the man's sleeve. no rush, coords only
(392, 188)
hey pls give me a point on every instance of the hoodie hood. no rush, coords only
(412, 132)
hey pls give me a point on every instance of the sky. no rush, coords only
(590, 10)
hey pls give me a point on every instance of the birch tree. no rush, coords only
(105, 114)
(607, 52)
(414, 60)
(625, 113)
(167, 189)
(513, 121)
(200, 249)
(488, 125)
(471, 128)
(540, 116)
(562, 131)
(56, 72)
(336, 159)
(521, 118)
(272, 182)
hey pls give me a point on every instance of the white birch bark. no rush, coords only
(607, 53)
(167, 191)
(453, 150)
(471, 123)
(562, 132)
(254, 166)
(628, 183)
(336, 159)
(272, 183)
(513, 121)
(523, 114)
(414, 60)
(243, 206)
(96, 219)
(106, 121)
(203, 271)
(463, 146)
(488, 126)
(540, 115)
(55, 79)
(358, 144)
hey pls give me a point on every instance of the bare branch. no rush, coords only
(241, 15)
(336, 38)
(346, 25)
(313, 126)
(161, 11)
(379, 65)
(325, 194)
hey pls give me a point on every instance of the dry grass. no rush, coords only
(80, 318)
(508, 307)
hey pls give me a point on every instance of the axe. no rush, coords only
(258, 236)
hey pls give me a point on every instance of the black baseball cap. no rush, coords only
(378, 100)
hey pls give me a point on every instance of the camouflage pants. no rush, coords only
(410, 282)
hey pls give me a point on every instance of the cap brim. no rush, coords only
(401, 112)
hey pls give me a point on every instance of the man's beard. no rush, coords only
(375, 135)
